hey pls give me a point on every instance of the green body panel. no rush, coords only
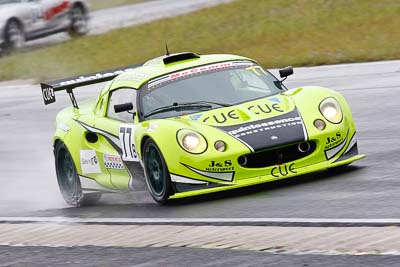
(163, 132)
(75, 141)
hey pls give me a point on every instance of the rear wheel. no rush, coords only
(156, 172)
(79, 22)
(14, 36)
(68, 179)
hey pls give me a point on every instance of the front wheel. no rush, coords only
(68, 179)
(156, 172)
(14, 36)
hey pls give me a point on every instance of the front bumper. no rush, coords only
(197, 181)
(272, 176)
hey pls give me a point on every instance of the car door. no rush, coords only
(123, 163)
(30, 15)
(53, 15)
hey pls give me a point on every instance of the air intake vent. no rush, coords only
(179, 57)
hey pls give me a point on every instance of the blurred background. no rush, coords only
(277, 33)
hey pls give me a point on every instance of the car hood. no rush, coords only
(263, 123)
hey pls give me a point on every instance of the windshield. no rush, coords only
(218, 84)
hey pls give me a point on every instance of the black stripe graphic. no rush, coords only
(271, 132)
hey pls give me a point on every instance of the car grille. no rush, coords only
(276, 156)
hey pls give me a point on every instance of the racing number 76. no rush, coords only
(128, 147)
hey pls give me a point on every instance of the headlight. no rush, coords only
(191, 141)
(331, 110)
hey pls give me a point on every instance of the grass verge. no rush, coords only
(300, 32)
(102, 4)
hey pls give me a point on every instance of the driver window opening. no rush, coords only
(118, 97)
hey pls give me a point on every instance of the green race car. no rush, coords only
(186, 124)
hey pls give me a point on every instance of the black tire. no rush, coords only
(156, 172)
(14, 36)
(68, 179)
(79, 22)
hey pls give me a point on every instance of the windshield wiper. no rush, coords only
(178, 107)
(205, 102)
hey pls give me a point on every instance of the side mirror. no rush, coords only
(123, 107)
(286, 72)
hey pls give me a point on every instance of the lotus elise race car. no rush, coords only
(186, 124)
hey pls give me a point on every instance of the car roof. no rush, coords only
(166, 64)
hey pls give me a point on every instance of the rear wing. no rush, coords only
(68, 84)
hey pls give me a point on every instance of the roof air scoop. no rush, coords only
(179, 57)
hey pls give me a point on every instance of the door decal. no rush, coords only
(126, 137)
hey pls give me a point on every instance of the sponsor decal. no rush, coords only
(218, 175)
(333, 151)
(56, 10)
(48, 95)
(196, 71)
(283, 129)
(115, 142)
(89, 162)
(216, 166)
(113, 162)
(232, 115)
(265, 108)
(126, 137)
(265, 126)
(94, 77)
(334, 140)
(283, 170)
(223, 117)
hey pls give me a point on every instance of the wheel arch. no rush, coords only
(80, 4)
(158, 143)
(56, 142)
(142, 142)
(59, 141)
(17, 20)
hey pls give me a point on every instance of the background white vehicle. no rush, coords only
(23, 20)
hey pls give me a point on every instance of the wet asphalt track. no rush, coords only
(104, 256)
(368, 189)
